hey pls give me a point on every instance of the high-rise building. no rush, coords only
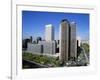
(79, 41)
(73, 42)
(64, 40)
(38, 39)
(25, 42)
(31, 39)
(49, 32)
(68, 43)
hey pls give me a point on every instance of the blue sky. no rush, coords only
(33, 23)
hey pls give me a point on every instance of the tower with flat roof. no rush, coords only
(73, 41)
(64, 36)
(49, 32)
(68, 43)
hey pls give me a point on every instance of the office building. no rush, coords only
(38, 39)
(35, 48)
(31, 39)
(24, 43)
(49, 32)
(79, 41)
(73, 42)
(64, 40)
(48, 47)
(68, 43)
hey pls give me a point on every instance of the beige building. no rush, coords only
(73, 41)
(68, 43)
(64, 40)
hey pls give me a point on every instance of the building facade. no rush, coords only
(68, 43)
(64, 40)
(49, 32)
(48, 47)
(79, 41)
(73, 41)
(35, 48)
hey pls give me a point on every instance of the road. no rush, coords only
(32, 64)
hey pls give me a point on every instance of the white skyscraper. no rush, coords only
(49, 32)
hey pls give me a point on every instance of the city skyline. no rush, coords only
(34, 23)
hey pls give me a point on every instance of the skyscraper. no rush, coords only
(79, 41)
(68, 43)
(31, 39)
(38, 39)
(64, 40)
(49, 32)
(73, 42)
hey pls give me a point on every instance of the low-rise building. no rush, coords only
(35, 48)
(48, 47)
